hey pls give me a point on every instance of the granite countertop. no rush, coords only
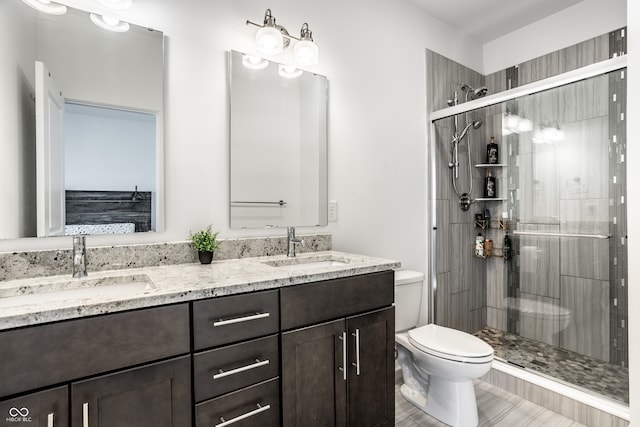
(33, 301)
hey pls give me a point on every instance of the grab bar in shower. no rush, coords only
(279, 203)
(541, 233)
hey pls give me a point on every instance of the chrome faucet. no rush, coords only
(292, 241)
(79, 256)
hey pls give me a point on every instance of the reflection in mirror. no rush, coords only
(110, 83)
(278, 145)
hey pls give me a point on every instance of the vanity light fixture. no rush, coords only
(305, 52)
(272, 39)
(254, 62)
(47, 6)
(289, 71)
(109, 23)
(116, 4)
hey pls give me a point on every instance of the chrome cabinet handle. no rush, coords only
(85, 414)
(243, 416)
(50, 420)
(257, 316)
(221, 373)
(357, 364)
(343, 368)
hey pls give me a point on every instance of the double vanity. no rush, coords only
(263, 341)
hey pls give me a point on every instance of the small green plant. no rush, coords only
(205, 240)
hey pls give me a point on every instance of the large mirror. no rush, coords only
(278, 144)
(104, 92)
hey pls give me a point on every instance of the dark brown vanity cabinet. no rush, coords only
(338, 352)
(236, 364)
(76, 355)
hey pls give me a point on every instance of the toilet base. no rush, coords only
(453, 403)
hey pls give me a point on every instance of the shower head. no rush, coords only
(476, 125)
(478, 92)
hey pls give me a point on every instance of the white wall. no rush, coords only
(584, 20)
(109, 150)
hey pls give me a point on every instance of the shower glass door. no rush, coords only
(565, 295)
(556, 302)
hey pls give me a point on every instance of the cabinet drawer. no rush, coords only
(225, 320)
(321, 301)
(219, 371)
(258, 405)
(43, 409)
(39, 356)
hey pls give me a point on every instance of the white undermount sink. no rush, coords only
(294, 264)
(61, 290)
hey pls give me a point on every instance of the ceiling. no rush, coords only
(486, 20)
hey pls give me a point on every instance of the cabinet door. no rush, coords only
(157, 395)
(44, 409)
(313, 378)
(371, 368)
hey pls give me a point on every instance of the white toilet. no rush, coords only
(438, 364)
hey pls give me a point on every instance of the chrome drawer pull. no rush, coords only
(85, 414)
(222, 374)
(241, 319)
(343, 368)
(50, 420)
(357, 364)
(243, 416)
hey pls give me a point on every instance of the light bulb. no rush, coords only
(46, 6)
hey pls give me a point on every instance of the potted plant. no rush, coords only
(205, 242)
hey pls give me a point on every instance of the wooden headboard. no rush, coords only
(107, 207)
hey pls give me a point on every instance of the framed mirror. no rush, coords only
(278, 144)
(105, 173)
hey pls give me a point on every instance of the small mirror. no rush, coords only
(278, 144)
(101, 94)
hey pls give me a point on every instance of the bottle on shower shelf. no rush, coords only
(506, 247)
(490, 188)
(492, 152)
(479, 247)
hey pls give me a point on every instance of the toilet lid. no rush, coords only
(449, 343)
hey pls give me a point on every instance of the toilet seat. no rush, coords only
(450, 344)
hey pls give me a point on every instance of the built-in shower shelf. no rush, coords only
(500, 224)
(489, 165)
(490, 199)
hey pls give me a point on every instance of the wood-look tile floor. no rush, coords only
(496, 407)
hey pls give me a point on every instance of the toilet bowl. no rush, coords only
(439, 365)
(547, 317)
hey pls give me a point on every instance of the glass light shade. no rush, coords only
(109, 23)
(512, 121)
(46, 6)
(524, 125)
(269, 41)
(253, 62)
(305, 53)
(289, 71)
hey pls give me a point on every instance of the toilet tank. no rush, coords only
(408, 298)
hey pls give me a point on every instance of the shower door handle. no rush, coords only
(545, 234)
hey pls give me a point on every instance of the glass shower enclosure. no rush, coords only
(550, 294)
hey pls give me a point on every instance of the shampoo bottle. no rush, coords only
(479, 247)
(492, 152)
(490, 188)
(506, 247)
